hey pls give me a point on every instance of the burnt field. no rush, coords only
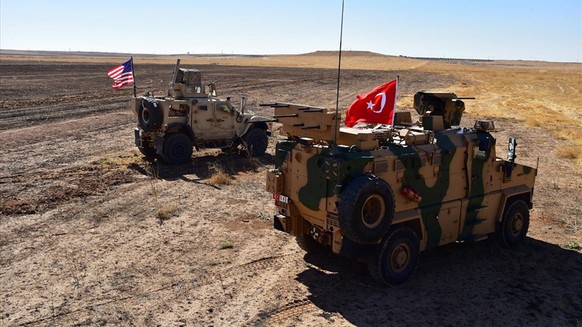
(93, 234)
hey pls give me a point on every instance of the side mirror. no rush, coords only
(243, 102)
(512, 144)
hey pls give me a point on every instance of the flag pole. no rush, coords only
(339, 65)
(133, 75)
(395, 99)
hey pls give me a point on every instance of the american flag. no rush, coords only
(122, 75)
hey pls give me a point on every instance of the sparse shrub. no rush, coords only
(168, 211)
(263, 216)
(573, 152)
(219, 177)
(226, 245)
(574, 246)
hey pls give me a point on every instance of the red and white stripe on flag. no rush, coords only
(122, 75)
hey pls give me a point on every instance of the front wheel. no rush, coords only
(177, 149)
(397, 257)
(512, 229)
(256, 142)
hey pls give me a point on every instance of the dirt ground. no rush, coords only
(92, 234)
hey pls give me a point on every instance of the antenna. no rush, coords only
(339, 65)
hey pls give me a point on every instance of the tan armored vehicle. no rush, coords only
(191, 115)
(385, 194)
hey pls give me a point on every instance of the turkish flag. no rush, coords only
(374, 107)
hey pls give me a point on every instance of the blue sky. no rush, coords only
(494, 29)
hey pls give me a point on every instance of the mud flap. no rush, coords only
(357, 251)
(137, 138)
(159, 145)
(277, 223)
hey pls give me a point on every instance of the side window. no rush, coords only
(225, 108)
(205, 107)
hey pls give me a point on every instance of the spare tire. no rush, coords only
(366, 209)
(149, 115)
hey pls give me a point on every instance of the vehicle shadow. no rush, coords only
(476, 284)
(203, 166)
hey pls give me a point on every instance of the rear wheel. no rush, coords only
(512, 229)
(397, 257)
(256, 142)
(177, 149)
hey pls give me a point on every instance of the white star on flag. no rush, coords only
(370, 104)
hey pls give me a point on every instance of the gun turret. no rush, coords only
(186, 83)
(447, 105)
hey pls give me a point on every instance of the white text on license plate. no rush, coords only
(281, 198)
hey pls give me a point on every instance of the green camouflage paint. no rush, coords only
(432, 197)
(282, 150)
(324, 174)
(318, 186)
(476, 193)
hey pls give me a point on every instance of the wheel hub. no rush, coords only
(517, 224)
(373, 211)
(399, 257)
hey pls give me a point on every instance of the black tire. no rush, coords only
(256, 142)
(512, 229)
(366, 209)
(149, 115)
(177, 149)
(397, 257)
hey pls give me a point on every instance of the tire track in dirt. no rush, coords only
(283, 313)
(240, 272)
(72, 183)
(13, 119)
(12, 106)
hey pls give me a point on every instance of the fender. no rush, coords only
(521, 192)
(180, 128)
(256, 122)
(172, 129)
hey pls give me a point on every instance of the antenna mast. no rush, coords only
(339, 65)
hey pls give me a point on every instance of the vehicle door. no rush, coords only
(224, 121)
(442, 223)
(203, 120)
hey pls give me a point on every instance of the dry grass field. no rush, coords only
(93, 234)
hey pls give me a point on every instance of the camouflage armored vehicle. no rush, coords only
(384, 194)
(191, 115)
